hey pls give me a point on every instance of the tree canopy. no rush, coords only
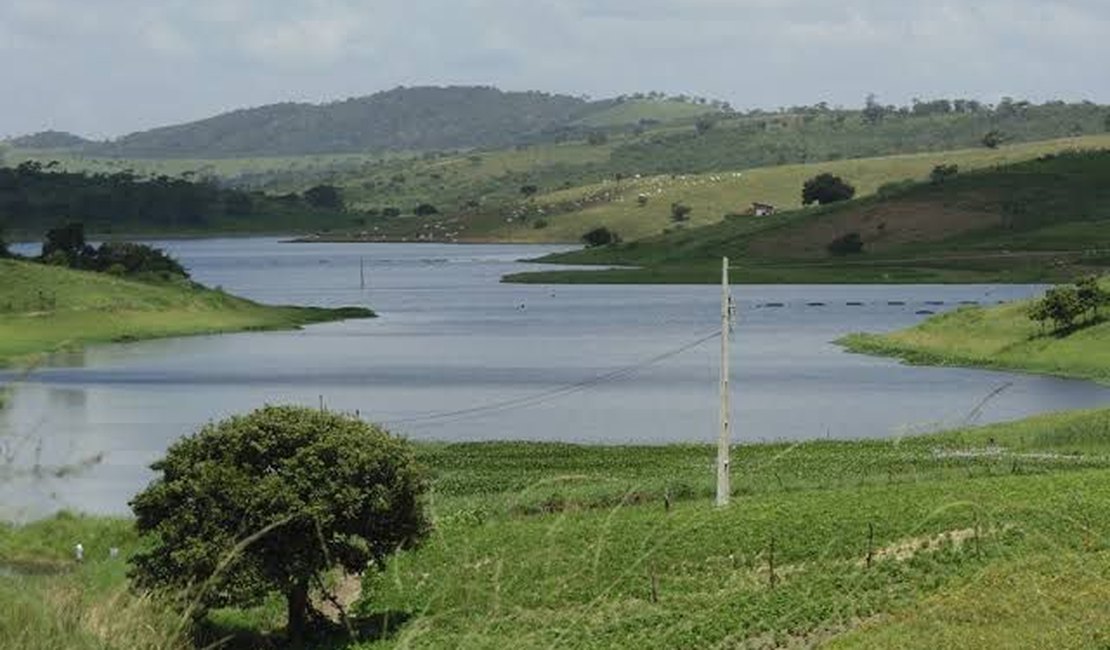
(826, 188)
(265, 503)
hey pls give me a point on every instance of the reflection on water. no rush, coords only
(456, 355)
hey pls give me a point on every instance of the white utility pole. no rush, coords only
(723, 443)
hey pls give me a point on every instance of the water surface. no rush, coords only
(456, 355)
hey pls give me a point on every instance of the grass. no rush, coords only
(976, 536)
(1037, 220)
(714, 195)
(996, 337)
(45, 309)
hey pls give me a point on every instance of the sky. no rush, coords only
(103, 68)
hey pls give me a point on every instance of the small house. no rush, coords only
(763, 209)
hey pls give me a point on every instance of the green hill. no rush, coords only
(1047, 218)
(402, 119)
(48, 308)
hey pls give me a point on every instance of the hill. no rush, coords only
(1042, 219)
(50, 140)
(48, 308)
(402, 119)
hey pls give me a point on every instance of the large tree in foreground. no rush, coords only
(269, 501)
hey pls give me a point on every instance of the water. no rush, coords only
(456, 355)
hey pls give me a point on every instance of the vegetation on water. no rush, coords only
(1042, 219)
(47, 308)
(312, 490)
(855, 544)
(1006, 336)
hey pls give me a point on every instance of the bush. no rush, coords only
(942, 173)
(826, 188)
(425, 210)
(129, 258)
(326, 197)
(991, 139)
(680, 212)
(539, 224)
(847, 244)
(266, 503)
(600, 237)
(391, 212)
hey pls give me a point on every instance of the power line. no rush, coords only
(561, 391)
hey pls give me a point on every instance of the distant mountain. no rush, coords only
(402, 119)
(50, 140)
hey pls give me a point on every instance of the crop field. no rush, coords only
(954, 536)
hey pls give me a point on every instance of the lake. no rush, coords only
(456, 355)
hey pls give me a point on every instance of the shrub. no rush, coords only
(942, 173)
(425, 210)
(680, 212)
(846, 244)
(991, 139)
(267, 502)
(601, 236)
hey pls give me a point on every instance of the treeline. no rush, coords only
(35, 197)
(820, 133)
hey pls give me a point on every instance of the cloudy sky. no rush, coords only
(102, 68)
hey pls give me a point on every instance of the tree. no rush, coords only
(1106, 122)
(4, 252)
(134, 259)
(704, 124)
(529, 190)
(600, 236)
(680, 212)
(1091, 295)
(1061, 305)
(873, 112)
(325, 197)
(425, 210)
(66, 244)
(826, 188)
(267, 502)
(942, 173)
(390, 212)
(991, 139)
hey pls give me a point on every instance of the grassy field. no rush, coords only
(982, 537)
(713, 196)
(996, 337)
(47, 308)
(1039, 220)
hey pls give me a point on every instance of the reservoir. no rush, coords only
(456, 355)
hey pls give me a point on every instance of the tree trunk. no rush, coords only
(298, 611)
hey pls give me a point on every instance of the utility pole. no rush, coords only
(723, 484)
(361, 273)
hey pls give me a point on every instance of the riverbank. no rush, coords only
(47, 309)
(917, 543)
(1001, 337)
